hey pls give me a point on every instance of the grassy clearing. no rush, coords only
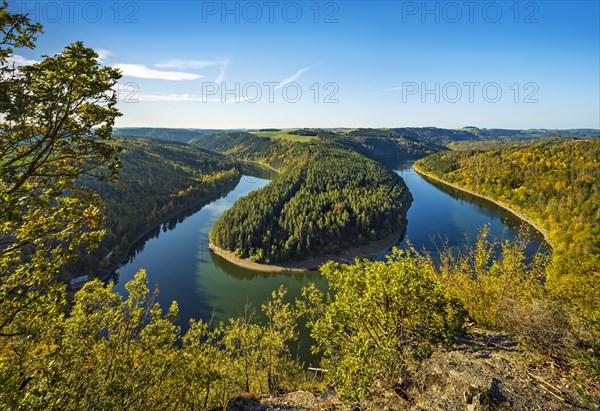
(283, 134)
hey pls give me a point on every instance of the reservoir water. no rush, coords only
(176, 257)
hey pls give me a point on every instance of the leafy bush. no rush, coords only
(488, 273)
(378, 318)
(115, 353)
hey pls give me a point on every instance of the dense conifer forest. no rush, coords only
(329, 200)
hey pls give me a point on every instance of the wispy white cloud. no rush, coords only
(198, 64)
(18, 61)
(168, 98)
(141, 71)
(291, 79)
(395, 88)
(175, 98)
(388, 90)
(103, 54)
(130, 92)
(192, 64)
(222, 72)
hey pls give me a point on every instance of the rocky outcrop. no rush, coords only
(488, 371)
(482, 371)
(245, 403)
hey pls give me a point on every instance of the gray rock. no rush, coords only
(241, 403)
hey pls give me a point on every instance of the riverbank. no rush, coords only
(262, 165)
(201, 202)
(372, 249)
(517, 214)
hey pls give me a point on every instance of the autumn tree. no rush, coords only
(57, 118)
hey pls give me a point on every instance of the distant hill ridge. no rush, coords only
(433, 135)
(182, 135)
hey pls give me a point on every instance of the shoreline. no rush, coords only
(517, 214)
(113, 267)
(262, 165)
(372, 249)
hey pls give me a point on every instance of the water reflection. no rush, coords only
(169, 225)
(176, 254)
(238, 273)
(204, 285)
(444, 217)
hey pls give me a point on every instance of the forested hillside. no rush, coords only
(426, 135)
(362, 201)
(181, 135)
(385, 146)
(238, 143)
(157, 178)
(381, 145)
(554, 182)
(328, 200)
(274, 152)
(442, 136)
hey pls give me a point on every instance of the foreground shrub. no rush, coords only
(502, 289)
(489, 274)
(543, 325)
(115, 353)
(377, 320)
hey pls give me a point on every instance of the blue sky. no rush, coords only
(205, 64)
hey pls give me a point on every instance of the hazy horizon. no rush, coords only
(353, 128)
